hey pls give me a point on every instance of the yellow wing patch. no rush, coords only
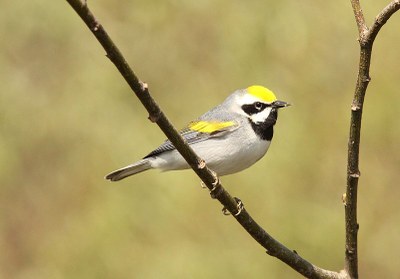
(262, 93)
(209, 127)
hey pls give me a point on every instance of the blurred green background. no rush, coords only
(67, 118)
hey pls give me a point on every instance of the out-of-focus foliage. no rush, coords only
(67, 118)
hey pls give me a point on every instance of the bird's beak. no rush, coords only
(280, 104)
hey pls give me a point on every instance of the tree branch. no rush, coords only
(358, 13)
(366, 40)
(382, 18)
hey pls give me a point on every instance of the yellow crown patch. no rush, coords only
(262, 93)
(209, 127)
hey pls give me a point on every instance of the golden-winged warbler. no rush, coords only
(230, 137)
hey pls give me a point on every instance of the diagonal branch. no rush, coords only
(366, 40)
(273, 247)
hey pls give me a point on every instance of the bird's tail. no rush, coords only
(135, 168)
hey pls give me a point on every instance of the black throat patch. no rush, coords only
(265, 130)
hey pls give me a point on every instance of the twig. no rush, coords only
(366, 40)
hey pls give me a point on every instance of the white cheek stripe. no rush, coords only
(261, 116)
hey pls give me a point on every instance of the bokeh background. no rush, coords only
(67, 118)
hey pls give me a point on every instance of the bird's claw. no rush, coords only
(239, 206)
(215, 183)
(203, 185)
(225, 211)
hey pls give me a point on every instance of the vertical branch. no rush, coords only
(353, 172)
(366, 40)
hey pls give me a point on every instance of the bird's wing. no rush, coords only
(198, 131)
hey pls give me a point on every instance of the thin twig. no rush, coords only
(358, 13)
(273, 247)
(366, 40)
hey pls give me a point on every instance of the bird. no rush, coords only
(230, 137)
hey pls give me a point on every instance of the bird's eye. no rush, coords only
(258, 105)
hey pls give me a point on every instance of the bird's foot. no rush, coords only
(214, 184)
(239, 206)
(203, 185)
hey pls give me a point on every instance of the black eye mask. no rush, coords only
(254, 108)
